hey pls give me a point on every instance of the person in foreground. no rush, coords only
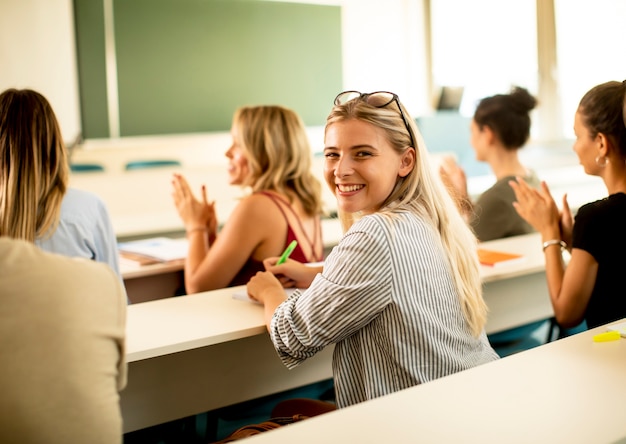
(587, 288)
(62, 324)
(270, 153)
(400, 295)
(499, 129)
(35, 202)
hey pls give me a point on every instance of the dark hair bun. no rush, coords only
(522, 100)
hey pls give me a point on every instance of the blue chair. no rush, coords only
(520, 338)
(562, 332)
(85, 167)
(141, 164)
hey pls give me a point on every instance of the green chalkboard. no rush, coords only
(185, 65)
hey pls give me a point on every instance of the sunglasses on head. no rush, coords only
(378, 99)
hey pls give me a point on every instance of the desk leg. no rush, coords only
(183, 384)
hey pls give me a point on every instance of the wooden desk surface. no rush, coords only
(516, 294)
(331, 231)
(212, 317)
(192, 322)
(528, 245)
(191, 354)
(191, 337)
(569, 391)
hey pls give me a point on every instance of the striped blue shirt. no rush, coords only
(387, 300)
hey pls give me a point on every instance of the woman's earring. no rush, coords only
(604, 162)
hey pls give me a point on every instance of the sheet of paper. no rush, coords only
(242, 295)
(163, 249)
(621, 327)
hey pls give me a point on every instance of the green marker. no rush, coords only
(287, 252)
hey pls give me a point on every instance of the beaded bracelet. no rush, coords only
(546, 244)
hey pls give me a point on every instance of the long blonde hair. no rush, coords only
(423, 193)
(34, 170)
(278, 153)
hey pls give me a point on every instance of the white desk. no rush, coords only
(150, 282)
(190, 354)
(157, 281)
(516, 294)
(140, 202)
(569, 391)
(179, 347)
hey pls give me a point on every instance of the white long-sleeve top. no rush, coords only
(386, 298)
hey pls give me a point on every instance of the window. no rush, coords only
(486, 46)
(590, 49)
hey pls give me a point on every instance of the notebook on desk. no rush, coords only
(154, 250)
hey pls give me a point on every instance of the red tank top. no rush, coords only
(252, 266)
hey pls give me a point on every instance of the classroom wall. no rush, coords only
(37, 51)
(38, 46)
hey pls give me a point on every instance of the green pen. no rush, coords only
(287, 252)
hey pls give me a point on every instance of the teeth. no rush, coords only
(348, 188)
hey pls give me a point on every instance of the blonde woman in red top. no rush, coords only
(270, 155)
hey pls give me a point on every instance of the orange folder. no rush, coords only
(496, 258)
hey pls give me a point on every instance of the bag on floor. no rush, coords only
(255, 429)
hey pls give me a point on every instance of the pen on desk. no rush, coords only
(287, 252)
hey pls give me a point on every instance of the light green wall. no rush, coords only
(186, 65)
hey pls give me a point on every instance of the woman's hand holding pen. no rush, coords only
(195, 214)
(292, 273)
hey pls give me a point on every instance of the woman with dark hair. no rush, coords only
(499, 129)
(588, 288)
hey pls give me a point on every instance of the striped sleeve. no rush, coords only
(354, 288)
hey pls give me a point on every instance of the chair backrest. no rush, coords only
(140, 164)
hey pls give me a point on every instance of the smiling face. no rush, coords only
(361, 167)
(238, 167)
